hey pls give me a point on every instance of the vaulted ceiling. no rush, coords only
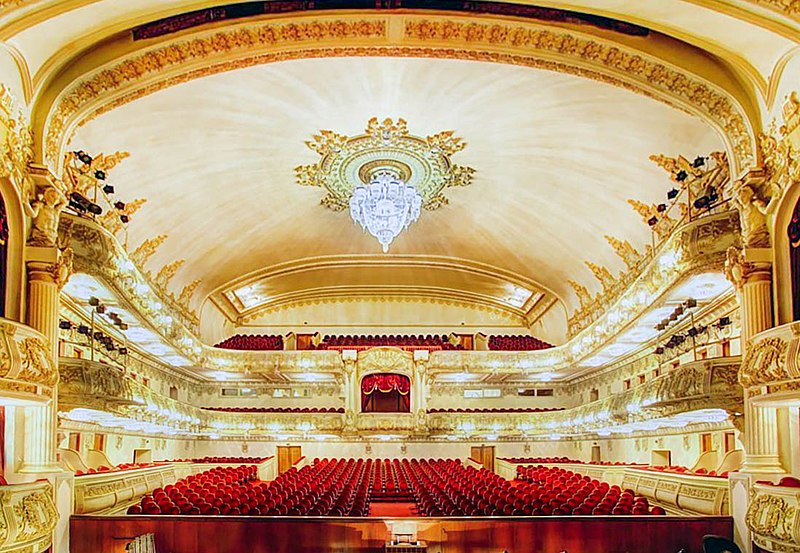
(559, 117)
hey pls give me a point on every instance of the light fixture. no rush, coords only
(385, 206)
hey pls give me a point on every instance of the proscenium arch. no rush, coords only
(108, 77)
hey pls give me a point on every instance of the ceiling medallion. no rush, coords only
(384, 176)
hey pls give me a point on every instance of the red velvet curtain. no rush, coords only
(385, 393)
(794, 259)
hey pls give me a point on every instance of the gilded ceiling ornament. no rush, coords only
(582, 293)
(111, 218)
(81, 176)
(187, 292)
(167, 272)
(752, 215)
(386, 145)
(625, 251)
(602, 274)
(664, 225)
(147, 249)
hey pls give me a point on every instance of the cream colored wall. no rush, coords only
(509, 399)
(266, 400)
(382, 317)
(119, 447)
(382, 449)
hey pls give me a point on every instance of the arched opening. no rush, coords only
(385, 393)
(793, 231)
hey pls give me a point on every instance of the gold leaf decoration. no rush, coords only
(625, 251)
(168, 271)
(147, 249)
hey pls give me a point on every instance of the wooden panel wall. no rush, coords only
(187, 534)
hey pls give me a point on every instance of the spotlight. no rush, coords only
(652, 221)
(693, 332)
(81, 204)
(108, 189)
(101, 308)
(64, 325)
(124, 218)
(100, 175)
(119, 205)
(123, 326)
(672, 194)
(661, 208)
(679, 310)
(110, 346)
(659, 350)
(123, 351)
(681, 175)
(673, 316)
(691, 302)
(94, 302)
(98, 335)
(724, 321)
(83, 157)
(698, 162)
(83, 329)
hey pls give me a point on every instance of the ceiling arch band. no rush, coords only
(194, 56)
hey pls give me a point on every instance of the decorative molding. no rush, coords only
(773, 517)
(27, 370)
(28, 517)
(772, 358)
(527, 45)
(146, 250)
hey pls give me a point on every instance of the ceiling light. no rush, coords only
(385, 207)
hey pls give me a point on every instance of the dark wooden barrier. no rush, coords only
(591, 534)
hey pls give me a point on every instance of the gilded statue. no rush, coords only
(752, 217)
(45, 211)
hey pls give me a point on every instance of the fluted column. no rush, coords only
(761, 423)
(351, 399)
(39, 455)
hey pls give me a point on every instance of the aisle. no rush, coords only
(392, 509)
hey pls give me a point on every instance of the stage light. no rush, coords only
(661, 208)
(652, 221)
(100, 175)
(108, 189)
(83, 157)
(693, 332)
(94, 302)
(65, 325)
(691, 302)
(123, 351)
(83, 329)
(101, 308)
(724, 321)
(119, 205)
(98, 335)
(672, 194)
(81, 204)
(124, 218)
(681, 175)
(698, 162)
(659, 350)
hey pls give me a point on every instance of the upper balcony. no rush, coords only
(27, 370)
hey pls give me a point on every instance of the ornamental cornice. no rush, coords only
(500, 41)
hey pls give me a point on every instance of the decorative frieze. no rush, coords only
(28, 517)
(773, 517)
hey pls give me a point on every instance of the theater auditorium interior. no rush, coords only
(401, 276)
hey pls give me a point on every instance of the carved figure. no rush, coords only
(45, 212)
(735, 267)
(63, 269)
(752, 217)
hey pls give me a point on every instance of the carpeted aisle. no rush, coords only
(392, 509)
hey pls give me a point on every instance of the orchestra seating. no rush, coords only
(276, 409)
(520, 342)
(221, 460)
(499, 410)
(346, 487)
(253, 342)
(404, 341)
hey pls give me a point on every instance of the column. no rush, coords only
(41, 421)
(761, 423)
(351, 391)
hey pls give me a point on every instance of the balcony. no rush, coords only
(27, 371)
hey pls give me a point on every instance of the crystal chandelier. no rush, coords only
(385, 207)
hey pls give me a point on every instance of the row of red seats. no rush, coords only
(123, 466)
(561, 460)
(499, 410)
(276, 409)
(786, 482)
(219, 491)
(557, 491)
(520, 342)
(429, 341)
(678, 469)
(221, 460)
(253, 342)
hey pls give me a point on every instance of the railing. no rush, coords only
(772, 517)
